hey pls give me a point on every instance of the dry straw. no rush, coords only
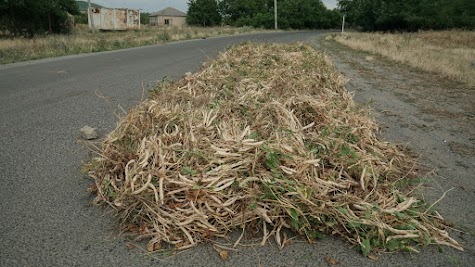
(448, 53)
(83, 41)
(266, 138)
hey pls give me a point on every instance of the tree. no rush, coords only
(81, 18)
(409, 15)
(30, 17)
(203, 13)
(296, 14)
(235, 10)
(303, 14)
(144, 18)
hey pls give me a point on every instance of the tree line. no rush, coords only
(367, 15)
(295, 14)
(30, 17)
(409, 15)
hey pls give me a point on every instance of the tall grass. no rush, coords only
(447, 53)
(84, 41)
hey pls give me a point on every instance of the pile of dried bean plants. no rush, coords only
(265, 138)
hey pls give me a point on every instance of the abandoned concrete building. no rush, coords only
(168, 17)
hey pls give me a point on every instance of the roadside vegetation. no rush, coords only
(265, 139)
(409, 15)
(432, 35)
(82, 40)
(447, 53)
(30, 17)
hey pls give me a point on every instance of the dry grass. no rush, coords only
(448, 53)
(84, 41)
(265, 138)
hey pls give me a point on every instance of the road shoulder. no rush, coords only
(433, 116)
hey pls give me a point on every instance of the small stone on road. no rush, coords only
(89, 133)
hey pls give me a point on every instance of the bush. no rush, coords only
(163, 36)
(30, 17)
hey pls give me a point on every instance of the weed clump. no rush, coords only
(265, 138)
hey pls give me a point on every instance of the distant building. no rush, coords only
(168, 17)
(108, 19)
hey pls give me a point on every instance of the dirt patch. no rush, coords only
(434, 116)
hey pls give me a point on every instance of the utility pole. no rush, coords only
(275, 15)
(343, 24)
(89, 13)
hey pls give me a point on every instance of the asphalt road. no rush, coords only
(44, 217)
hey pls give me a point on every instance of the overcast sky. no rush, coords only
(156, 5)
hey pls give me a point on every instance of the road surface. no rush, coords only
(44, 217)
